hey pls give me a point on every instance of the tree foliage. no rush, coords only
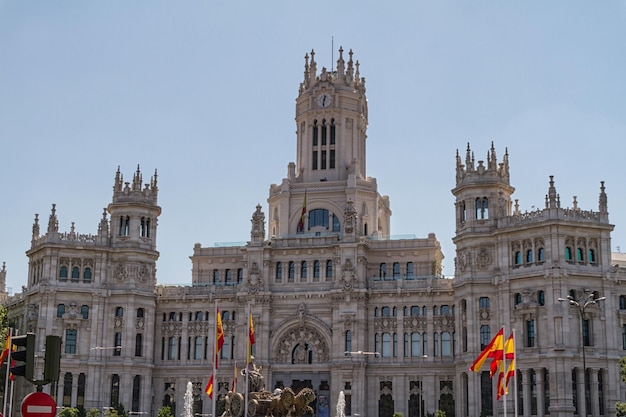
(165, 411)
(620, 407)
(69, 412)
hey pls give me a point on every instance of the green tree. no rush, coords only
(397, 414)
(440, 413)
(165, 411)
(69, 412)
(94, 412)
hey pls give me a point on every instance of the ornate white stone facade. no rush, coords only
(328, 280)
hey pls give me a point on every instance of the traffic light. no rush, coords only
(23, 350)
(52, 367)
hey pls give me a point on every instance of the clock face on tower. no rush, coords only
(324, 100)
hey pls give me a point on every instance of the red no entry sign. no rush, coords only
(38, 404)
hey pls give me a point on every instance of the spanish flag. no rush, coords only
(303, 215)
(209, 387)
(497, 355)
(219, 336)
(489, 351)
(251, 339)
(5, 351)
(503, 382)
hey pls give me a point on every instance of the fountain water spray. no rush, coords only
(188, 407)
(341, 405)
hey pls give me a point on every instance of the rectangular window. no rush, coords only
(70, 341)
(530, 333)
(586, 335)
(331, 163)
(323, 160)
(314, 162)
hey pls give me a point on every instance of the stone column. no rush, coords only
(526, 390)
(580, 389)
(540, 391)
(595, 400)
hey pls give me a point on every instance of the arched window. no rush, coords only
(579, 255)
(87, 274)
(445, 310)
(119, 312)
(138, 344)
(529, 256)
(67, 389)
(446, 344)
(396, 270)
(279, 271)
(541, 255)
(144, 228)
(75, 273)
(348, 341)
(115, 390)
(518, 298)
(84, 312)
(591, 254)
(482, 208)
(416, 344)
(323, 134)
(541, 298)
(216, 276)
(622, 302)
(394, 311)
(383, 270)
(303, 271)
(63, 273)
(410, 272)
(483, 302)
(318, 217)
(386, 311)
(239, 275)
(568, 253)
(291, 274)
(136, 393)
(415, 311)
(124, 225)
(518, 258)
(228, 277)
(199, 316)
(376, 312)
(462, 212)
(140, 312)
(329, 269)
(332, 132)
(226, 315)
(316, 270)
(171, 348)
(118, 344)
(386, 351)
(198, 347)
(60, 310)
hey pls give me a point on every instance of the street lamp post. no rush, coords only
(582, 305)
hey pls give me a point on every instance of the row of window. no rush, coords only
(528, 257)
(386, 311)
(415, 344)
(198, 315)
(229, 276)
(197, 348)
(84, 311)
(75, 277)
(303, 271)
(481, 206)
(396, 270)
(144, 226)
(324, 156)
(71, 337)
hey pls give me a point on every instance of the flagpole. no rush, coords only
(6, 381)
(214, 374)
(515, 372)
(248, 353)
(504, 368)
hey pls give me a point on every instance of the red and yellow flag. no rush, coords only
(503, 382)
(234, 388)
(209, 387)
(219, 336)
(303, 215)
(489, 351)
(5, 351)
(251, 339)
(497, 355)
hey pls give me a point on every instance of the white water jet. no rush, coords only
(341, 405)
(188, 407)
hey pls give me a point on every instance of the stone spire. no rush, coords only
(553, 200)
(602, 203)
(36, 230)
(53, 222)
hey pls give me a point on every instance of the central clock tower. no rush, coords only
(331, 115)
(329, 175)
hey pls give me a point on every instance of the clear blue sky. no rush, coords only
(204, 91)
